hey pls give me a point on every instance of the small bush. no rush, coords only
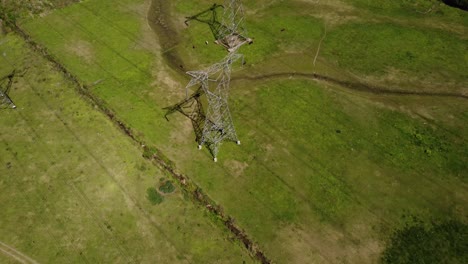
(153, 196)
(149, 152)
(167, 187)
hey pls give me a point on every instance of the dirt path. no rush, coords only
(345, 84)
(15, 254)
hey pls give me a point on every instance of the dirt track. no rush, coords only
(349, 85)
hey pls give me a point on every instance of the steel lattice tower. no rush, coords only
(215, 80)
(233, 33)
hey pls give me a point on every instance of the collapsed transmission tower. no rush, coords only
(5, 85)
(215, 80)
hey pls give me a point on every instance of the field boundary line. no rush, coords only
(14, 253)
(157, 157)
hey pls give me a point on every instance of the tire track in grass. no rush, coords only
(346, 84)
(14, 253)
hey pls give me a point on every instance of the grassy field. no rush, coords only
(73, 188)
(327, 173)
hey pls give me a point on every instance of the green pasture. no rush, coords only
(325, 174)
(73, 188)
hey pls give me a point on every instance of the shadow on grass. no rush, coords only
(5, 86)
(192, 108)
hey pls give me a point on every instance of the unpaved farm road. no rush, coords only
(15, 254)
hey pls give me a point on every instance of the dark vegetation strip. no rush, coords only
(151, 153)
(160, 23)
(461, 4)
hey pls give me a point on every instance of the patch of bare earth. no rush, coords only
(326, 245)
(148, 39)
(333, 12)
(235, 167)
(82, 49)
(395, 79)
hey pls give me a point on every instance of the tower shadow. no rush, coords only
(192, 108)
(210, 18)
(226, 34)
(5, 86)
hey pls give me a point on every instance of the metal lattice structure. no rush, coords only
(228, 32)
(216, 126)
(5, 85)
(215, 83)
(233, 33)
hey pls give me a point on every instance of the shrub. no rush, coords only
(149, 152)
(167, 187)
(153, 196)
